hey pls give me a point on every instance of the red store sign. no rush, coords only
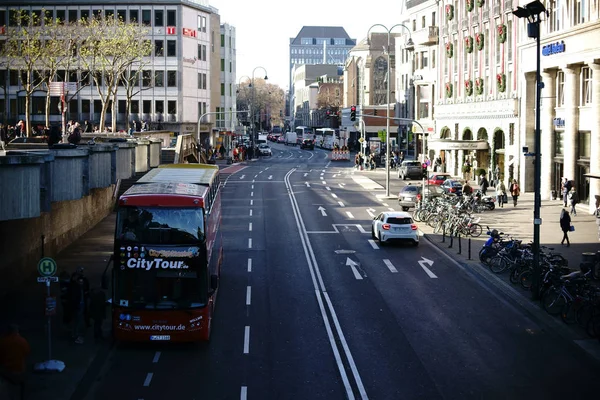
(171, 30)
(189, 32)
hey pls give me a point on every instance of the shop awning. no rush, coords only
(593, 176)
(447, 144)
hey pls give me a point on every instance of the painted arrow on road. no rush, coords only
(323, 213)
(306, 173)
(270, 177)
(353, 264)
(307, 184)
(242, 177)
(371, 212)
(427, 270)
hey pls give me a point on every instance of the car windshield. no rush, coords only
(413, 164)
(263, 146)
(408, 189)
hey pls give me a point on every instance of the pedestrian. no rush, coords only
(467, 190)
(98, 311)
(515, 191)
(501, 193)
(497, 174)
(565, 226)
(14, 351)
(79, 293)
(598, 222)
(565, 188)
(573, 200)
(75, 136)
(484, 184)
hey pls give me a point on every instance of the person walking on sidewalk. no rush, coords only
(515, 191)
(565, 225)
(565, 188)
(573, 200)
(79, 300)
(14, 351)
(500, 193)
(98, 311)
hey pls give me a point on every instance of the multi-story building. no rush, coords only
(316, 45)
(476, 104)
(182, 78)
(227, 118)
(306, 84)
(570, 109)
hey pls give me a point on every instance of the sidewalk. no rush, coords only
(25, 307)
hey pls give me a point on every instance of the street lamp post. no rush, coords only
(533, 12)
(253, 111)
(410, 44)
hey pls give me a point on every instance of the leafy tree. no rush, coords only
(262, 98)
(130, 77)
(24, 49)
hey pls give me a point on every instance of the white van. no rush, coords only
(291, 139)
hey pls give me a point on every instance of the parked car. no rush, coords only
(410, 169)
(308, 144)
(438, 178)
(281, 139)
(410, 195)
(395, 225)
(264, 150)
(452, 186)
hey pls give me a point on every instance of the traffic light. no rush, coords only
(374, 111)
(353, 113)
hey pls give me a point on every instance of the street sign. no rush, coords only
(43, 279)
(50, 306)
(47, 267)
(361, 140)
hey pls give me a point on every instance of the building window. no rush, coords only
(13, 77)
(201, 23)
(583, 139)
(423, 21)
(199, 80)
(85, 106)
(61, 16)
(122, 15)
(171, 18)
(433, 58)
(558, 143)
(222, 65)
(159, 78)
(159, 18)
(222, 89)
(146, 78)
(486, 48)
(172, 106)
(134, 16)
(586, 86)
(171, 78)
(159, 106)
(122, 106)
(147, 106)
(73, 16)
(135, 106)
(85, 15)
(159, 48)
(560, 89)
(414, 25)
(222, 40)
(146, 17)
(171, 48)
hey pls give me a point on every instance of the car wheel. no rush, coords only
(373, 233)
(415, 243)
(405, 208)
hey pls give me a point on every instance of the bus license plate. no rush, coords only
(160, 337)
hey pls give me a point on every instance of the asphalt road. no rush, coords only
(310, 307)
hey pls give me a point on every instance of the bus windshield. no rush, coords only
(160, 225)
(160, 289)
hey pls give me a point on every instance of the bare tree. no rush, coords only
(24, 49)
(112, 46)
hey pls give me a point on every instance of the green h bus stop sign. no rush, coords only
(47, 267)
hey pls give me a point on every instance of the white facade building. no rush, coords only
(570, 110)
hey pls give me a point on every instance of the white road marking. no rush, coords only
(349, 214)
(244, 393)
(270, 177)
(251, 194)
(250, 227)
(156, 357)
(334, 195)
(250, 243)
(250, 212)
(256, 176)
(248, 295)
(328, 188)
(148, 379)
(427, 270)
(371, 211)
(249, 265)
(390, 266)
(324, 183)
(366, 183)
(322, 209)
(373, 244)
(361, 229)
(391, 209)
(252, 187)
(306, 173)
(341, 204)
(251, 202)
(247, 340)
(352, 264)
(385, 204)
(307, 184)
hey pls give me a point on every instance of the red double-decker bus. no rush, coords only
(168, 254)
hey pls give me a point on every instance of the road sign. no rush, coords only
(42, 279)
(361, 140)
(50, 306)
(47, 267)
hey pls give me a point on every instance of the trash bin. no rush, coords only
(588, 262)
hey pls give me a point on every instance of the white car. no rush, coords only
(395, 225)
(264, 150)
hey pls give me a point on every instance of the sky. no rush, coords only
(264, 28)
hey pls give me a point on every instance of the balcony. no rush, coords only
(426, 36)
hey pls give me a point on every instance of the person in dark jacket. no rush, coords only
(98, 311)
(565, 225)
(54, 137)
(79, 296)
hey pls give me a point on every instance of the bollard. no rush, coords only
(444, 233)
(451, 241)
(469, 249)
(459, 244)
